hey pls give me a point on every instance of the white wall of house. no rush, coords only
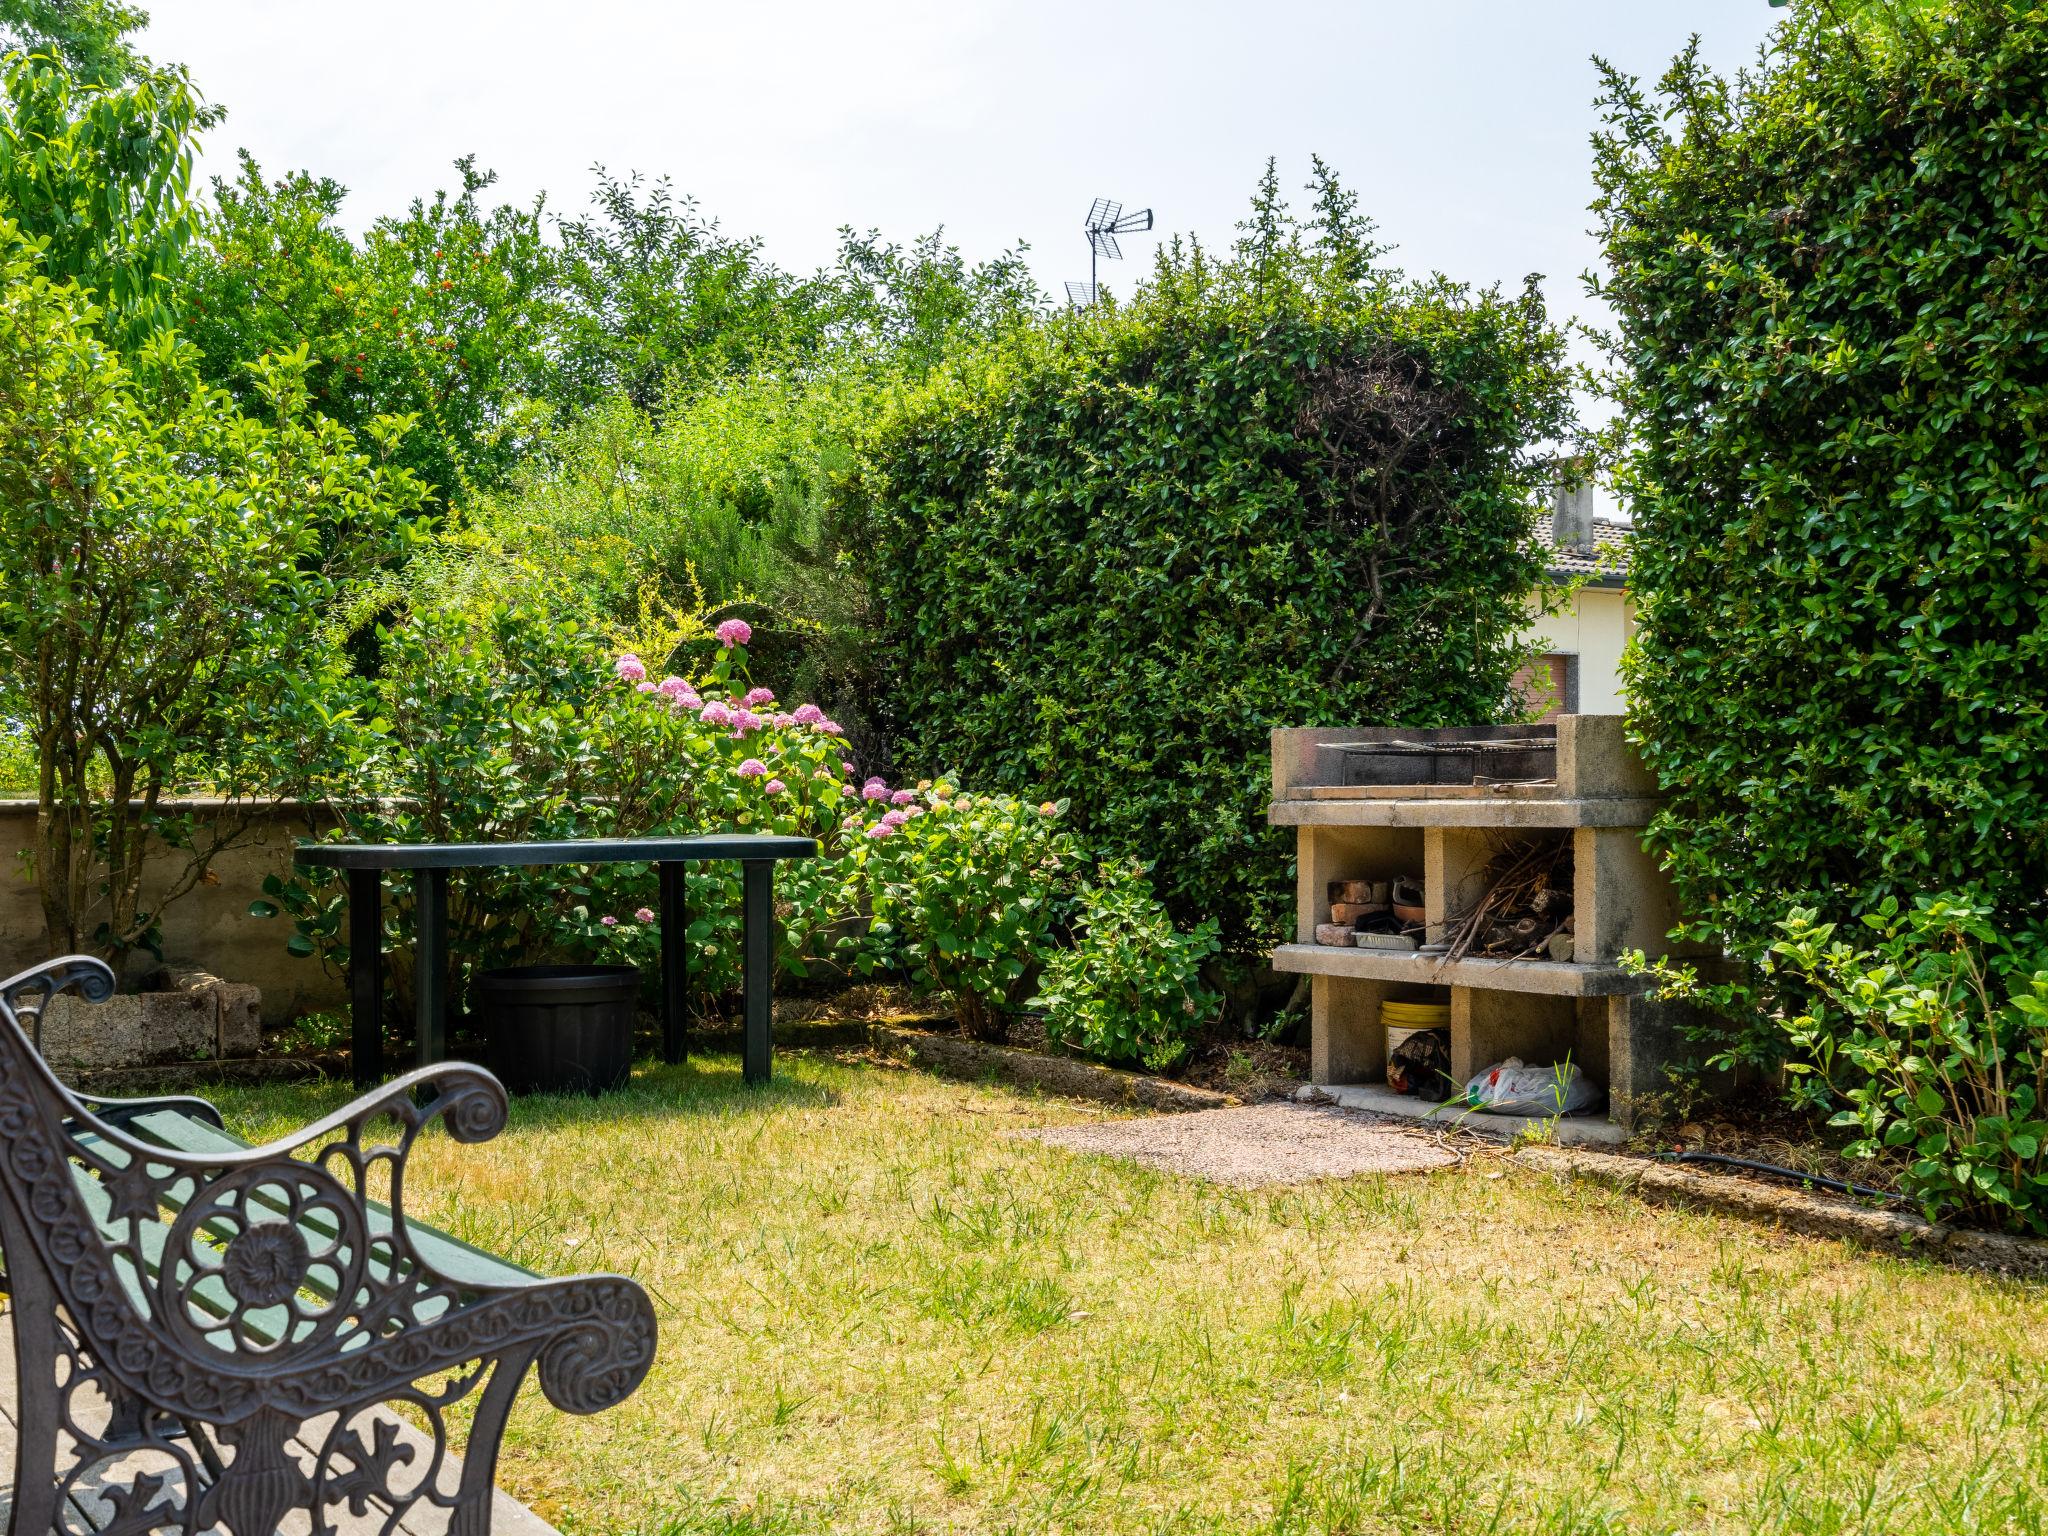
(1590, 627)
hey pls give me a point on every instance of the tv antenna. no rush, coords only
(1106, 220)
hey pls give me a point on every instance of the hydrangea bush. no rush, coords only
(504, 722)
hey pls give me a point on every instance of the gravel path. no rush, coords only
(1259, 1144)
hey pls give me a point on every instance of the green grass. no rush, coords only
(881, 1312)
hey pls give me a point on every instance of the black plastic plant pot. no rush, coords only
(560, 1028)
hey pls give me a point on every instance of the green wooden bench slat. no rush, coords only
(152, 1238)
(458, 1261)
(448, 1256)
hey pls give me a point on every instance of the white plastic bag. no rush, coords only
(1513, 1088)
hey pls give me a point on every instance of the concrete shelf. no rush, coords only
(1549, 977)
(1532, 812)
(1379, 1099)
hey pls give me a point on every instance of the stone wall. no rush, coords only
(209, 929)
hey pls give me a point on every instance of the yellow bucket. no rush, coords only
(1404, 1019)
(1416, 1015)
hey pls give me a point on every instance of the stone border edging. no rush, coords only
(958, 1056)
(1798, 1210)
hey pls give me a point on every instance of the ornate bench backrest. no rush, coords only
(159, 1289)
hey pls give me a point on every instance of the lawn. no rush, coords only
(883, 1312)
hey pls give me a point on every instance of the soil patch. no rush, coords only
(953, 1055)
(1760, 1126)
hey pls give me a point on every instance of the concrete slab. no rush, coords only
(1258, 1144)
(1379, 1099)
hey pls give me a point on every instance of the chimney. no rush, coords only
(1571, 520)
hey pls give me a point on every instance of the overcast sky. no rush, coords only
(1461, 123)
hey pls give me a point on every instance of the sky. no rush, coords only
(1462, 124)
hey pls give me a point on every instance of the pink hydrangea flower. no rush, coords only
(911, 812)
(735, 632)
(847, 791)
(903, 797)
(758, 696)
(746, 720)
(753, 768)
(674, 687)
(894, 818)
(644, 686)
(832, 728)
(631, 668)
(685, 701)
(874, 789)
(809, 714)
(775, 786)
(846, 767)
(643, 915)
(782, 722)
(881, 829)
(608, 921)
(715, 713)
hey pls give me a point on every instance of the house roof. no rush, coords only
(1608, 564)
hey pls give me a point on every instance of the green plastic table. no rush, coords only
(366, 863)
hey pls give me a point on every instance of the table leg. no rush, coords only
(366, 974)
(675, 963)
(759, 945)
(430, 966)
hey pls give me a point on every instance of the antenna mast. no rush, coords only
(1106, 220)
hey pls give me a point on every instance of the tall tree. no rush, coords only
(96, 169)
(167, 569)
(89, 36)
(442, 316)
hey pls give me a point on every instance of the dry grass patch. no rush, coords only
(881, 1313)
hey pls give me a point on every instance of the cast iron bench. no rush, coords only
(212, 1336)
(365, 865)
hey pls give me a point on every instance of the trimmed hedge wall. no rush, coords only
(1113, 553)
(1834, 358)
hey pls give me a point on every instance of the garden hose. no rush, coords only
(1819, 1180)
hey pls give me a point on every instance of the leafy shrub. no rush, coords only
(1937, 1038)
(96, 169)
(1284, 489)
(503, 719)
(724, 496)
(1827, 277)
(435, 316)
(1131, 987)
(967, 889)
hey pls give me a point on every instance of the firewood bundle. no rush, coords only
(1525, 912)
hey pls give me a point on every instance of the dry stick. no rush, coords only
(1526, 871)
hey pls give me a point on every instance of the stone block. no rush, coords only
(1621, 898)
(1648, 1039)
(1595, 760)
(201, 1018)
(1348, 1044)
(1488, 1026)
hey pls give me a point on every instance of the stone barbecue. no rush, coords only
(1524, 847)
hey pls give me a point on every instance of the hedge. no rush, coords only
(1833, 358)
(1285, 488)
